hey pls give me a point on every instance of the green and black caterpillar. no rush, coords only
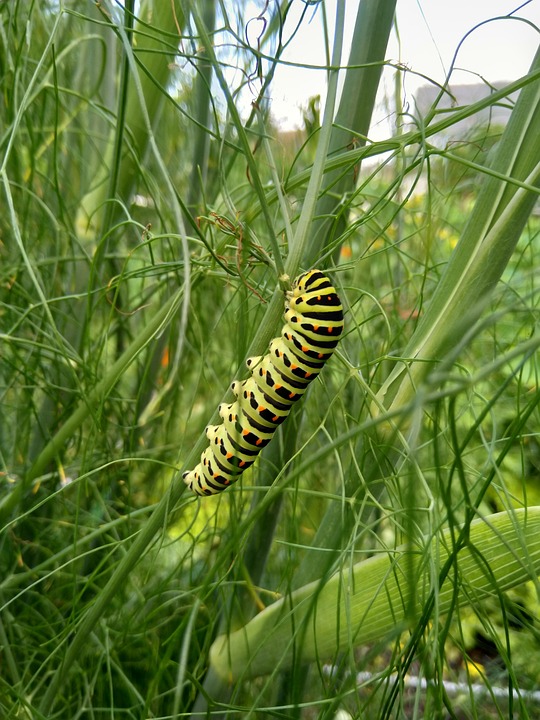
(313, 324)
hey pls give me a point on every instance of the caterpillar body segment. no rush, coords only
(230, 456)
(322, 333)
(240, 432)
(313, 325)
(290, 362)
(257, 404)
(276, 384)
(299, 343)
(286, 365)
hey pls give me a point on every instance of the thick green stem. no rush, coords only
(376, 599)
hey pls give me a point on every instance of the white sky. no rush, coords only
(430, 32)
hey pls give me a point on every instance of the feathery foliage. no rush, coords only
(153, 214)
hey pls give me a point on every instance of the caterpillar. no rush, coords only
(313, 323)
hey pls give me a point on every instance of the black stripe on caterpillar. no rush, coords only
(313, 324)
